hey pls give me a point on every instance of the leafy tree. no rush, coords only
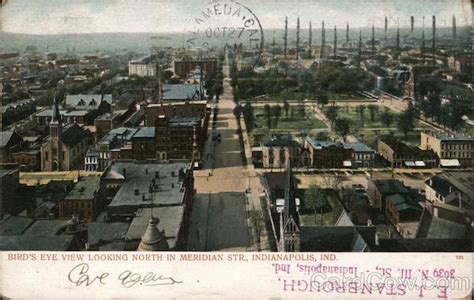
(323, 100)
(361, 111)
(258, 221)
(268, 115)
(434, 107)
(315, 198)
(331, 113)
(387, 117)
(238, 111)
(343, 127)
(276, 111)
(373, 110)
(406, 122)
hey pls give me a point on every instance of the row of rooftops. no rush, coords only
(445, 136)
(356, 147)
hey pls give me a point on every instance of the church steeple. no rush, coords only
(55, 124)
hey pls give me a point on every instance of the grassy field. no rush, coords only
(294, 125)
(368, 130)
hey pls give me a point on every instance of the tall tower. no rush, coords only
(433, 46)
(285, 37)
(273, 44)
(297, 38)
(454, 28)
(372, 41)
(347, 35)
(385, 28)
(310, 41)
(359, 52)
(398, 38)
(55, 128)
(422, 50)
(335, 41)
(323, 41)
(412, 23)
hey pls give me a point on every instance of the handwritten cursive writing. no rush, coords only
(78, 275)
(129, 279)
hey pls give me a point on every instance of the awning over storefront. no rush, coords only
(420, 163)
(347, 163)
(409, 164)
(449, 163)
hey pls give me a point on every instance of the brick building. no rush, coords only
(450, 146)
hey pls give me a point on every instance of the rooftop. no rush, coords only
(98, 232)
(38, 243)
(135, 187)
(46, 228)
(444, 136)
(337, 238)
(14, 225)
(390, 186)
(180, 91)
(170, 221)
(85, 189)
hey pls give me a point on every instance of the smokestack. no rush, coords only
(398, 37)
(359, 56)
(285, 37)
(454, 27)
(335, 41)
(385, 28)
(347, 35)
(273, 39)
(412, 23)
(373, 40)
(297, 38)
(422, 50)
(434, 39)
(310, 38)
(323, 41)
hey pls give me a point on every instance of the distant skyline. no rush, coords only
(161, 16)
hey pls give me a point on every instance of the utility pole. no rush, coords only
(335, 41)
(285, 38)
(297, 38)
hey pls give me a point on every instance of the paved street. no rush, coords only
(219, 217)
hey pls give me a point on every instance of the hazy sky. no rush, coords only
(86, 16)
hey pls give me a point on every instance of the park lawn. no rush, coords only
(352, 114)
(293, 126)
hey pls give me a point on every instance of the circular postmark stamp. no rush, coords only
(225, 23)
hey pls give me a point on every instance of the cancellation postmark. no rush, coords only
(225, 23)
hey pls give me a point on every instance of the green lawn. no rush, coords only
(294, 125)
(368, 130)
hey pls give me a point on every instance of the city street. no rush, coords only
(219, 217)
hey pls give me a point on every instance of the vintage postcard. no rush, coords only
(239, 149)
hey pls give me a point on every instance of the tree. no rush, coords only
(343, 127)
(238, 111)
(434, 106)
(286, 107)
(387, 117)
(258, 221)
(276, 111)
(406, 122)
(331, 114)
(323, 100)
(268, 115)
(373, 110)
(361, 110)
(315, 198)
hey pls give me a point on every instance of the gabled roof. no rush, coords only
(87, 100)
(73, 134)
